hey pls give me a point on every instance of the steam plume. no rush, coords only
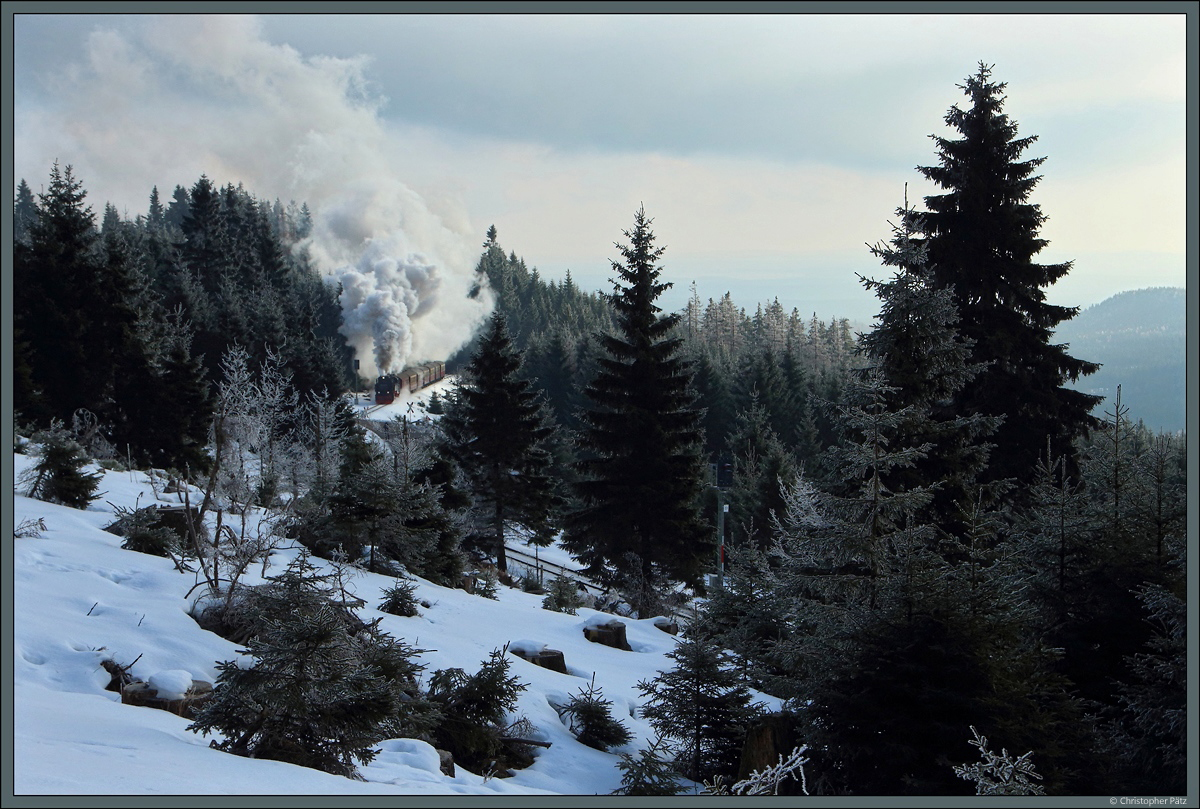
(167, 99)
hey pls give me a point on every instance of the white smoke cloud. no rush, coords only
(167, 99)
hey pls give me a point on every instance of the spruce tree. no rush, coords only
(642, 473)
(323, 687)
(982, 237)
(499, 432)
(702, 707)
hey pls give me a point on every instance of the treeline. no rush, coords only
(792, 368)
(125, 324)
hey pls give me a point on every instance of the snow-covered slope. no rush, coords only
(80, 599)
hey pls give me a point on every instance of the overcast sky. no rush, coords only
(768, 149)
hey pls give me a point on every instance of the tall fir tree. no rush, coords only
(499, 431)
(639, 525)
(982, 237)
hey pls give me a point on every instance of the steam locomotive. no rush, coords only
(413, 378)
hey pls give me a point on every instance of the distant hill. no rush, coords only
(1140, 338)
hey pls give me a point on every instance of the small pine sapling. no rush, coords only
(400, 599)
(703, 707)
(487, 584)
(590, 718)
(57, 477)
(563, 596)
(143, 533)
(323, 686)
(530, 584)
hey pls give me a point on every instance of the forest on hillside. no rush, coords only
(929, 530)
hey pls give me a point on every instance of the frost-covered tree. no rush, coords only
(761, 467)
(1000, 773)
(1151, 732)
(917, 350)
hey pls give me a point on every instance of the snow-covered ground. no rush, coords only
(79, 599)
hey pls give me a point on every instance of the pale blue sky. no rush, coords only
(768, 149)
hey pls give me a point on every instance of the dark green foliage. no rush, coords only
(498, 432)
(703, 707)
(400, 599)
(639, 524)
(982, 237)
(916, 349)
(58, 475)
(385, 509)
(323, 686)
(889, 723)
(590, 718)
(649, 773)
(474, 708)
(746, 616)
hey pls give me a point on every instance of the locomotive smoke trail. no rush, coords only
(164, 100)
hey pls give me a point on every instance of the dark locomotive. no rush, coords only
(412, 379)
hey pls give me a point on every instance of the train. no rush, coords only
(413, 378)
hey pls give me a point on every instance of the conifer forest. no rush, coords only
(921, 537)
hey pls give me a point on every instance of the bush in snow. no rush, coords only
(400, 599)
(143, 532)
(321, 689)
(474, 708)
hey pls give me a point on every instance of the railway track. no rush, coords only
(538, 565)
(684, 615)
